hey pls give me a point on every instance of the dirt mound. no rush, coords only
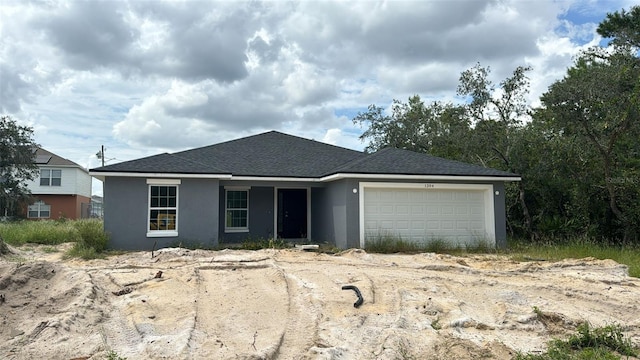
(286, 304)
(4, 248)
(45, 304)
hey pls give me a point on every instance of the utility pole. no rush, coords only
(100, 154)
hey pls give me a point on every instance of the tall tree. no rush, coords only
(623, 27)
(598, 102)
(16, 164)
(438, 129)
(498, 112)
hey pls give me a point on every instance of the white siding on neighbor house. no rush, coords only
(74, 181)
(456, 214)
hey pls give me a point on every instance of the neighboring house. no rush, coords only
(62, 188)
(278, 185)
(96, 207)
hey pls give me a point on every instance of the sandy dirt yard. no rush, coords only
(289, 304)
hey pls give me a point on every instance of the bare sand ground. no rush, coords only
(288, 304)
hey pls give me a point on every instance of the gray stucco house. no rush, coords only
(278, 185)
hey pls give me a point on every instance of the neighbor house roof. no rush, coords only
(274, 154)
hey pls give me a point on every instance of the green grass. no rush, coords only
(577, 249)
(38, 232)
(390, 244)
(549, 249)
(88, 235)
(588, 343)
(262, 243)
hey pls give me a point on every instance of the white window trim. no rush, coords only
(50, 178)
(235, 229)
(162, 182)
(39, 203)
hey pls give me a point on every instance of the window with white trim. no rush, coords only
(50, 177)
(39, 210)
(163, 208)
(236, 210)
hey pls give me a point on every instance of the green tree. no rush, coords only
(498, 112)
(623, 27)
(16, 164)
(597, 105)
(438, 129)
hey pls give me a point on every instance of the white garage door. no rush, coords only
(427, 212)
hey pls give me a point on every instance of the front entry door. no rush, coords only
(292, 213)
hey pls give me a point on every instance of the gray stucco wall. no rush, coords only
(337, 211)
(260, 216)
(500, 215)
(334, 213)
(498, 208)
(125, 213)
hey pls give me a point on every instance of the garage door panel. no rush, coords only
(446, 210)
(387, 209)
(402, 210)
(456, 216)
(401, 196)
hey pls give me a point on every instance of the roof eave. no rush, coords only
(101, 175)
(339, 176)
(333, 177)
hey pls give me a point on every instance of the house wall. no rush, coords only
(62, 206)
(322, 225)
(126, 202)
(337, 213)
(334, 212)
(261, 218)
(500, 215)
(73, 181)
(498, 208)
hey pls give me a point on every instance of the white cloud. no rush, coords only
(142, 77)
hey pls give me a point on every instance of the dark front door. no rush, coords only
(292, 213)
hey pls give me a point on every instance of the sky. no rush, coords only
(143, 77)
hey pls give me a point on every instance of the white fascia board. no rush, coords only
(418, 177)
(273, 178)
(102, 175)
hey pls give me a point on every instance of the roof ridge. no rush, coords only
(266, 133)
(350, 163)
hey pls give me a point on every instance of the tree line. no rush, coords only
(578, 153)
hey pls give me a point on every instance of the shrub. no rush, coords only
(93, 240)
(92, 234)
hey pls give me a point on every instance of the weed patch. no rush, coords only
(554, 249)
(388, 243)
(588, 343)
(88, 235)
(262, 243)
(46, 232)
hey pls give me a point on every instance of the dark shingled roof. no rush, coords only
(162, 163)
(274, 154)
(405, 162)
